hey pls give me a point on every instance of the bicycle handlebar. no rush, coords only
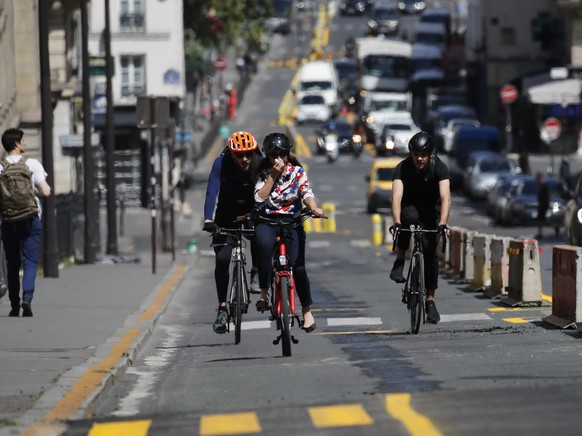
(416, 229)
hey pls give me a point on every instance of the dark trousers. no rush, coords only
(411, 215)
(223, 254)
(21, 240)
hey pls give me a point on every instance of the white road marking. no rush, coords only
(465, 317)
(360, 243)
(255, 325)
(353, 321)
(319, 244)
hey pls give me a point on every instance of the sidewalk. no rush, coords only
(90, 323)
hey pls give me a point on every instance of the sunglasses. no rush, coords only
(277, 154)
(248, 155)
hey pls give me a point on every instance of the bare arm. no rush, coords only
(43, 188)
(312, 205)
(445, 194)
(276, 171)
(397, 191)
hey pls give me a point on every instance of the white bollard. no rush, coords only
(566, 287)
(482, 262)
(468, 262)
(499, 266)
(525, 279)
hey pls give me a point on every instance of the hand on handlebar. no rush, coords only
(318, 212)
(210, 227)
(444, 229)
(394, 228)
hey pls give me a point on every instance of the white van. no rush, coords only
(320, 77)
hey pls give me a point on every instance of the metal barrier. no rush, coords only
(525, 280)
(481, 262)
(499, 266)
(566, 285)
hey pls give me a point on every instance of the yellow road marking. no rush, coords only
(302, 145)
(516, 320)
(512, 309)
(163, 294)
(547, 298)
(134, 428)
(232, 423)
(398, 405)
(339, 416)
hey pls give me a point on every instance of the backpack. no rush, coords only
(17, 199)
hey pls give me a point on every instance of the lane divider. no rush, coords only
(399, 407)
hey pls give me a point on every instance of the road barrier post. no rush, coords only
(525, 279)
(566, 287)
(481, 262)
(329, 211)
(467, 272)
(499, 267)
(457, 250)
(377, 230)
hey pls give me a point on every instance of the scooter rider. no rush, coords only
(421, 194)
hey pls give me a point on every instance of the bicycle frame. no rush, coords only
(281, 268)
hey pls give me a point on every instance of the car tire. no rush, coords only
(371, 208)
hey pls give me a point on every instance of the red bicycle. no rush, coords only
(283, 286)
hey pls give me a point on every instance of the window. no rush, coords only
(132, 76)
(131, 16)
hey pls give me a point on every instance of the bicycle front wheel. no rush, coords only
(237, 305)
(285, 288)
(416, 290)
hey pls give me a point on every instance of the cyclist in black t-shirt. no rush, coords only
(421, 194)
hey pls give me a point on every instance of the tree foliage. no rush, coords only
(220, 24)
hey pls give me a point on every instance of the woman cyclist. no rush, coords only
(281, 188)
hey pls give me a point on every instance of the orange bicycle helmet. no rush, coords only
(242, 142)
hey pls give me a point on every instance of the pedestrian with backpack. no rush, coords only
(20, 179)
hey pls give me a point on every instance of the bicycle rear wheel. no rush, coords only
(285, 288)
(416, 290)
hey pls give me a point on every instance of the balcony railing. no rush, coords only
(133, 90)
(131, 22)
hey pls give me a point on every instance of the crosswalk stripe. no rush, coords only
(465, 317)
(255, 325)
(353, 321)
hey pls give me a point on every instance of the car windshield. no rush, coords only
(386, 66)
(345, 69)
(530, 187)
(386, 14)
(388, 105)
(343, 129)
(315, 86)
(406, 127)
(495, 166)
(384, 174)
(312, 99)
(430, 38)
(460, 122)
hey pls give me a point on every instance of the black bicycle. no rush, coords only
(414, 291)
(239, 295)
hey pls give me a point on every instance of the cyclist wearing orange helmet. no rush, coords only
(230, 193)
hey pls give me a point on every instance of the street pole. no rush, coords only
(110, 142)
(89, 182)
(50, 252)
(153, 205)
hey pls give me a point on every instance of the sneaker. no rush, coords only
(220, 325)
(432, 314)
(15, 311)
(397, 270)
(26, 309)
(255, 288)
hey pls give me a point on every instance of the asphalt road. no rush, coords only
(485, 369)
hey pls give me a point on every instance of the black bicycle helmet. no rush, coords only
(421, 142)
(276, 141)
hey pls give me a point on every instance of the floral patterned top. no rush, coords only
(288, 191)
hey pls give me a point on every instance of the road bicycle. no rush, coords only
(414, 291)
(282, 293)
(239, 295)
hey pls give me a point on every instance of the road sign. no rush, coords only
(220, 63)
(552, 128)
(508, 94)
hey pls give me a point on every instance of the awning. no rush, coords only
(562, 92)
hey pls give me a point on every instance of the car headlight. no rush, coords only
(372, 24)
(579, 216)
(389, 144)
(356, 138)
(370, 120)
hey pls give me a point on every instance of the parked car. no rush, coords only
(573, 214)
(436, 99)
(497, 195)
(380, 183)
(483, 169)
(396, 132)
(353, 7)
(411, 6)
(344, 130)
(466, 140)
(312, 108)
(383, 20)
(444, 133)
(522, 203)
(446, 113)
(442, 16)
(434, 34)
